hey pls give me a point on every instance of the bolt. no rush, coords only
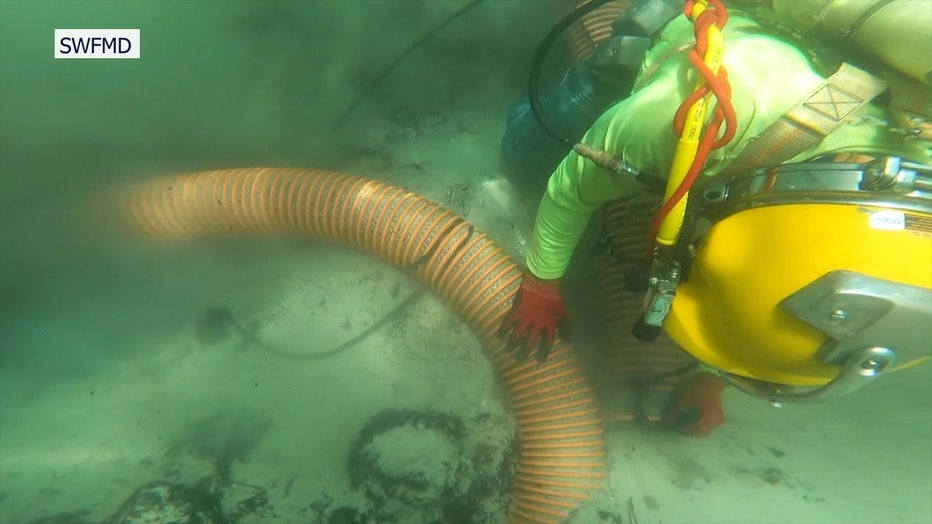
(871, 365)
(838, 314)
(776, 404)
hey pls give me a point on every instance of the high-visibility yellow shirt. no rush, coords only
(768, 77)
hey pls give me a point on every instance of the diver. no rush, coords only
(789, 248)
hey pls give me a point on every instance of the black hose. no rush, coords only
(533, 87)
(391, 66)
(395, 313)
(217, 321)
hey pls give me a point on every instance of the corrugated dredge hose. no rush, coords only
(561, 456)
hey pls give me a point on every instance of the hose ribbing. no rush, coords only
(626, 224)
(561, 451)
(594, 27)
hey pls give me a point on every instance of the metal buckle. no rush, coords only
(664, 279)
(883, 182)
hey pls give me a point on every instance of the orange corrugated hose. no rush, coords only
(562, 451)
(593, 28)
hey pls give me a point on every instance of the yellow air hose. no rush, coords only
(685, 155)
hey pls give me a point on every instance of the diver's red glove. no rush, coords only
(697, 408)
(538, 311)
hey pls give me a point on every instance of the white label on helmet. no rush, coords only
(888, 220)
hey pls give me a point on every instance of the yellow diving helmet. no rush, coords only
(815, 275)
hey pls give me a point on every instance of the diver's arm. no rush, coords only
(639, 130)
(562, 216)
